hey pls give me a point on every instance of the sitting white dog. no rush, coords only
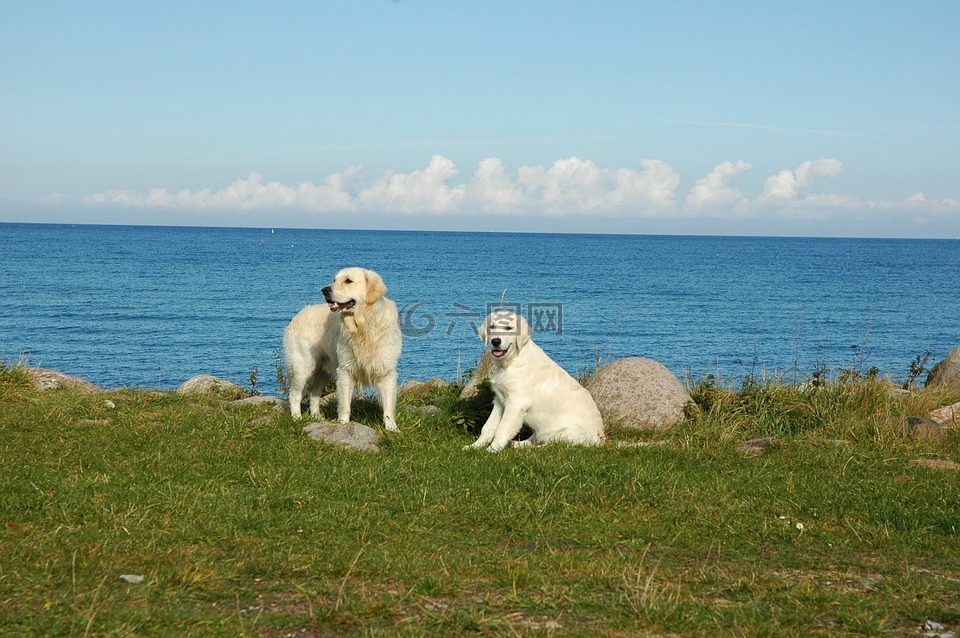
(529, 387)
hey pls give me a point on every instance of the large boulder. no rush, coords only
(638, 393)
(483, 373)
(207, 384)
(44, 379)
(947, 372)
(948, 415)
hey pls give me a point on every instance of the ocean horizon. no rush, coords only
(150, 306)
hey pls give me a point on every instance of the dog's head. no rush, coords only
(505, 333)
(353, 286)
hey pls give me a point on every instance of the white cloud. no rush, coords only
(245, 194)
(494, 190)
(575, 186)
(786, 186)
(568, 187)
(715, 190)
(416, 192)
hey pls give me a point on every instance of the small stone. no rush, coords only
(937, 464)
(258, 400)
(422, 409)
(355, 436)
(134, 579)
(756, 447)
(110, 405)
(871, 582)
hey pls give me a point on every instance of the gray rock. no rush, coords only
(94, 422)
(947, 372)
(638, 393)
(922, 428)
(948, 415)
(355, 436)
(871, 583)
(133, 579)
(205, 384)
(931, 625)
(260, 400)
(483, 373)
(756, 447)
(52, 380)
(417, 389)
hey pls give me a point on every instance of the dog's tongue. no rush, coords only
(498, 353)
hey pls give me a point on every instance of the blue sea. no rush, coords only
(149, 307)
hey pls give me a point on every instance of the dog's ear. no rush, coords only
(375, 286)
(484, 328)
(523, 332)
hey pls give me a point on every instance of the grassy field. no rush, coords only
(239, 525)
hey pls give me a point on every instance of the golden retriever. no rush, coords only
(355, 334)
(530, 388)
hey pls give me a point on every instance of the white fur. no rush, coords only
(529, 387)
(361, 343)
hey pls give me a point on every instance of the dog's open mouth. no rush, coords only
(499, 352)
(338, 307)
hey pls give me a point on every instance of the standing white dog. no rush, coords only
(357, 334)
(529, 387)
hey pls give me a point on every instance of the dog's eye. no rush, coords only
(348, 281)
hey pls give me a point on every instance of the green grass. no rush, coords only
(242, 526)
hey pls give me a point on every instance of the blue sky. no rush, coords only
(746, 118)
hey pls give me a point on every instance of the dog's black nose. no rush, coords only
(495, 342)
(325, 290)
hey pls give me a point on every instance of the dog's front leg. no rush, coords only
(510, 424)
(388, 397)
(344, 395)
(489, 428)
